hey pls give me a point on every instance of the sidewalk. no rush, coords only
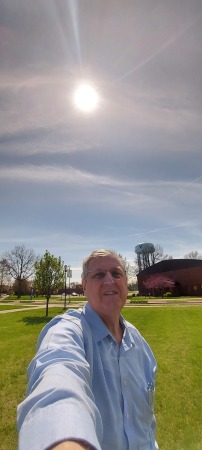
(41, 306)
(73, 304)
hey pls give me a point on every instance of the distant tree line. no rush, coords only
(46, 274)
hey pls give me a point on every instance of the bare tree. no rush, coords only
(25, 287)
(159, 254)
(193, 255)
(20, 264)
(131, 270)
(4, 274)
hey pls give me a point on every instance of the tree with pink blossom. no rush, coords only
(159, 283)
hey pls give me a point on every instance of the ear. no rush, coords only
(83, 284)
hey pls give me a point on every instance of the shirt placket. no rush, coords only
(126, 394)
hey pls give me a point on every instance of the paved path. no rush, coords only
(73, 304)
(42, 306)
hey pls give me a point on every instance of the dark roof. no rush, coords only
(172, 264)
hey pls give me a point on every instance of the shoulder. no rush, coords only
(132, 329)
(70, 324)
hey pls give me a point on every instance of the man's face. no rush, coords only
(106, 285)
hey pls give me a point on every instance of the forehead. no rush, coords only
(104, 262)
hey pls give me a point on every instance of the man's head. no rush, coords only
(101, 253)
(104, 282)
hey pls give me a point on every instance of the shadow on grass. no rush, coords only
(35, 320)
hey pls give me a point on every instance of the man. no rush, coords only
(91, 383)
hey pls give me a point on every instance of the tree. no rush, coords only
(49, 276)
(20, 264)
(159, 254)
(25, 287)
(130, 270)
(193, 255)
(132, 286)
(159, 283)
(4, 275)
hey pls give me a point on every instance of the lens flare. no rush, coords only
(86, 98)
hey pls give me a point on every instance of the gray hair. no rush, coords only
(101, 253)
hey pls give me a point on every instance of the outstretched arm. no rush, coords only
(60, 405)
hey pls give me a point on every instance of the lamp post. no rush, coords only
(69, 275)
(65, 286)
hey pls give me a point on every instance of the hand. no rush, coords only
(71, 445)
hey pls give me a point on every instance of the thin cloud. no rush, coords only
(69, 174)
(132, 170)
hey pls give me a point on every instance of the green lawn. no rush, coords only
(7, 307)
(53, 299)
(175, 336)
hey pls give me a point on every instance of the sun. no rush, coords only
(86, 98)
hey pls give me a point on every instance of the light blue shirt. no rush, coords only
(83, 386)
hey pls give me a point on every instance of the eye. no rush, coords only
(116, 274)
(98, 275)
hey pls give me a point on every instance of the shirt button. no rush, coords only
(125, 382)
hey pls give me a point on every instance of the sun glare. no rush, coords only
(86, 98)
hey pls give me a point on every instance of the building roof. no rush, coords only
(171, 264)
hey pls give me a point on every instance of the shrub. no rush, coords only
(135, 301)
(167, 295)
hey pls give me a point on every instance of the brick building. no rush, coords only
(187, 274)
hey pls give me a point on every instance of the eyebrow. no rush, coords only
(111, 268)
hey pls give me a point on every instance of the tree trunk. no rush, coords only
(47, 300)
(19, 288)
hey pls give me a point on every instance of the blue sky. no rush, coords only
(129, 172)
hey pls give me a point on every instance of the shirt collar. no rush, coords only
(128, 339)
(100, 331)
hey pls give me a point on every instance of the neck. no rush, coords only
(115, 328)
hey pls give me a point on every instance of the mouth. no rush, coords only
(110, 293)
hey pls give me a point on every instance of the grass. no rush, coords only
(174, 334)
(7, 307)
(19, 334)
(40, 298)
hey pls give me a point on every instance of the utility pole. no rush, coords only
(65, 302)
(69, 276)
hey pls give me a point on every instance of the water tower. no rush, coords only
(145, 255)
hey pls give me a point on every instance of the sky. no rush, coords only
(131, 170)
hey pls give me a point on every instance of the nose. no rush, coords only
(108, 277)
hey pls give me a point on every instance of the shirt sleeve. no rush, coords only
(59, 404)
